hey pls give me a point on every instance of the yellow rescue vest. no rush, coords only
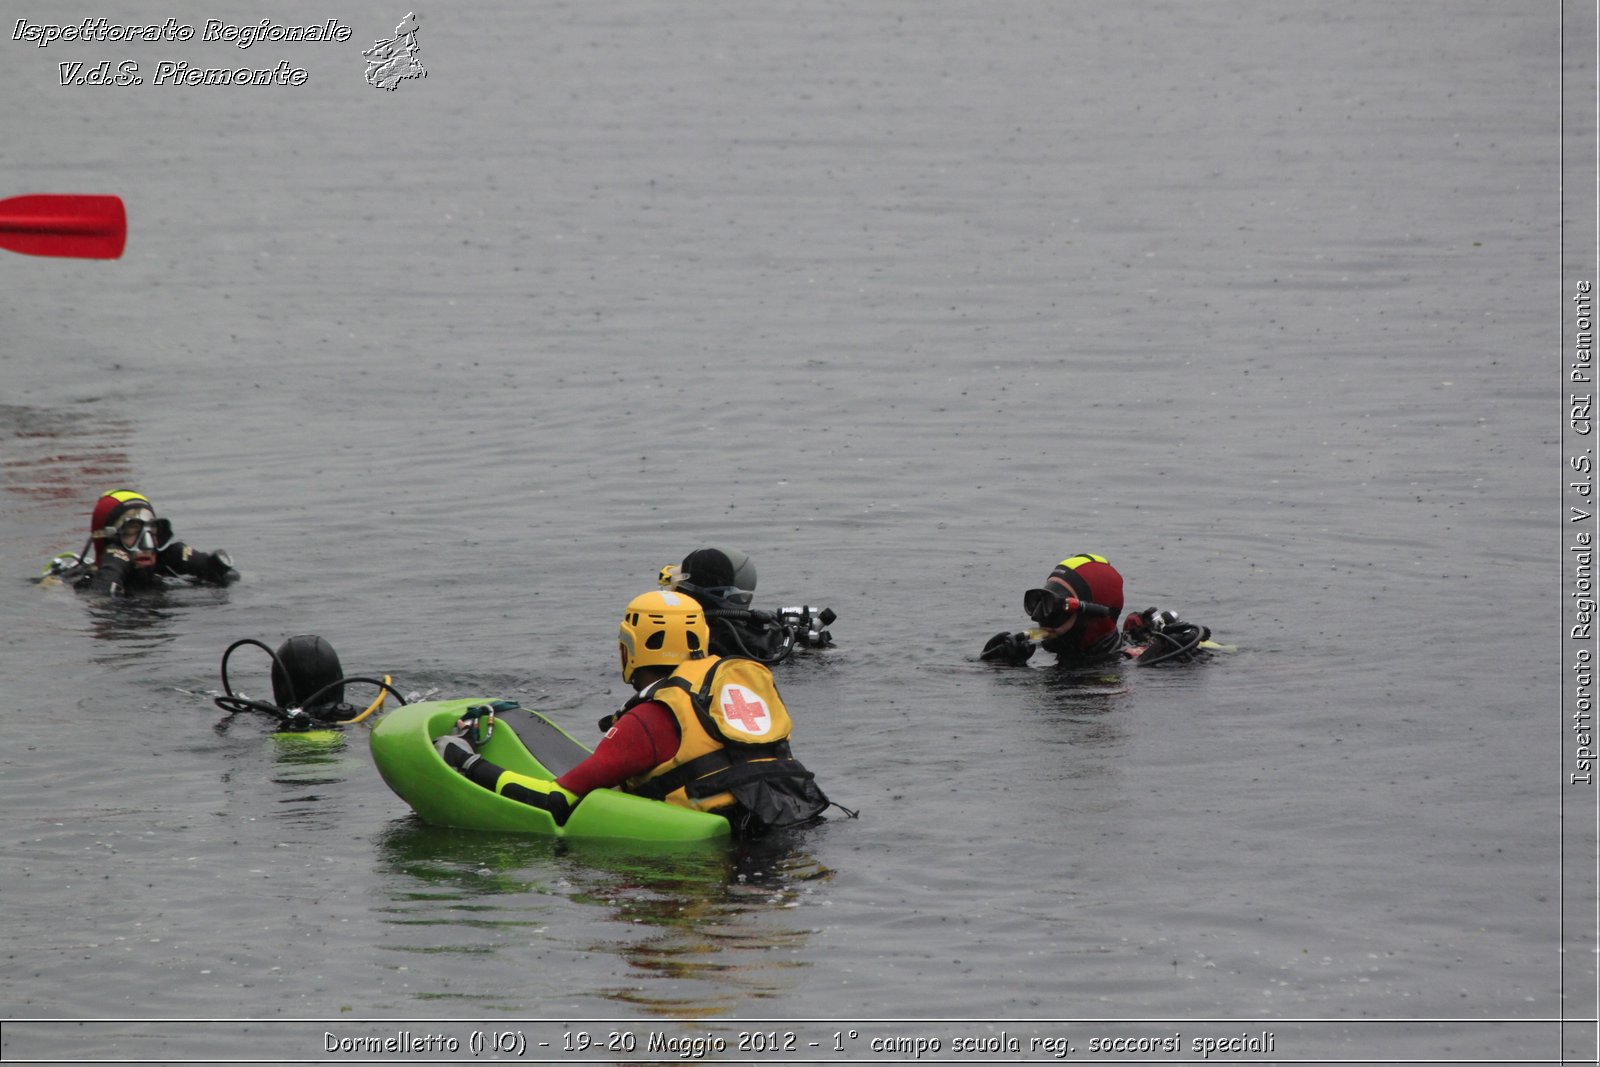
(733, 727)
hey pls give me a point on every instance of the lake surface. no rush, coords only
(1264, 302)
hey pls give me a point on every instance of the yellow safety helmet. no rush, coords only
(661, 629)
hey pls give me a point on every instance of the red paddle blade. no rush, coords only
(51, 224)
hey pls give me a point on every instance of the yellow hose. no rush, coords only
(383, 694)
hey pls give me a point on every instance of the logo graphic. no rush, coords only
(391, 62)
(744, 708)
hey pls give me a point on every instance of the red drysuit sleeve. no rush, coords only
(643, 738)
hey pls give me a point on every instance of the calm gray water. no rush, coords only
(1262, 301)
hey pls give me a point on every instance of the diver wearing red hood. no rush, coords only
(1082, 634)
(133, 549)
(1075, 613)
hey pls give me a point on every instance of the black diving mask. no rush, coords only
(1045, 606)
(717, 597)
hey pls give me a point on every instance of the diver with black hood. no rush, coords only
(723, 582)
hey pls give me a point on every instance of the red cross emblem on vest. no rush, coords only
(745, 708)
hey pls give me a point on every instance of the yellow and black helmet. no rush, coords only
(661, 628)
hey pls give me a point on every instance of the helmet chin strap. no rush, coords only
(647, 678)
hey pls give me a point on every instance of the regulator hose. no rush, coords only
(733, 617)
(1175, 642)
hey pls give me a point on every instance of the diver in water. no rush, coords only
(1075, 614)
(133, 549)
(723, 582)
(703, 732)
(308, 686)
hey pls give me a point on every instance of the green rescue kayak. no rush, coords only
(528, 743)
